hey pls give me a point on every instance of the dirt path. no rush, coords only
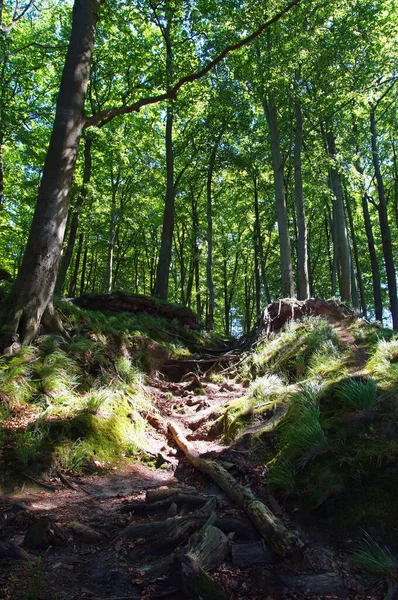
(116, 569)
(359, 352)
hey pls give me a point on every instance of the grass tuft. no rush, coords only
(359, 396)
(376, 561)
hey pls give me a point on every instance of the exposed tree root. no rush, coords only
(282, 541)
(277, 314)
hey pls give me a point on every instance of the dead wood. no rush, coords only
(209, 547)
(281, 540)
(46, 486)
(66, 482)
(11, 551)
(241, 527)
(248, 555)
(169, 532)
(176, 497)
(197, 584)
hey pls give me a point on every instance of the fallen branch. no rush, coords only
(46, 486)
(281, 540)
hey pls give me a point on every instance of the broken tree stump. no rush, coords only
(282, 541)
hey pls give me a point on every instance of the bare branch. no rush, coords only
(172, 93)
(16, 16)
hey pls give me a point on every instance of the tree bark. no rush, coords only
(384, 226)
(282, 541)
(340, 225)
(1, 173)
(209, 215)
(356, 257)
(163, 272)
(260, 243)
(73, 281)
(287, 287)
(74, 224)
(303, 291)
(34, 287)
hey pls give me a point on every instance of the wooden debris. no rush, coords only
(83, 533)
(197, 584)
(282, 541)
(248, 555)
(168, 532)
(46, 486)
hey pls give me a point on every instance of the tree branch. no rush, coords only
(16, 17)
(172, 93)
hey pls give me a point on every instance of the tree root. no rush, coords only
(282, 541)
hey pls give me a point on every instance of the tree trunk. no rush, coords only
(260, 243)
(67, 256)
(73, 281)
(283, 224)
(83, 273)
(373, 260)
(282, 541)
(1, 173)
(303, 291)
(163, 272)
(343, 247)
(356, 257)
(34, 287)
(196, 253)
(384, 227)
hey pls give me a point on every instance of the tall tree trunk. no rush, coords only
(303, 291)
(260, 243)
(108, 283)
(356, 257)
(395, 163)
(34, 287)
(196, 253)
(74, 224)
(73, 281)
(283, 225)
(384, 226)
(373, 260)
(83, 273)
(343, 247)
(163, 272)
(209, 215)
(1, 173)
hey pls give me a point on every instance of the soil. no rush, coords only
(79, 566)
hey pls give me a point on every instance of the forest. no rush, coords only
(199, 232)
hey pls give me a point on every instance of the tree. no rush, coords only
(31, 295)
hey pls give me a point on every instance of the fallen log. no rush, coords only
(209, 547)
(282, 541)
(154, 506)
(166, 533)
(197, 584)
(248, 555)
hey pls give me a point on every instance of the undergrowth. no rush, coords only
(81, 404)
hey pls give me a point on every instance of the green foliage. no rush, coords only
(376, 561)
(36, 576)
(383, 365)
(311, 342)
(360, 396)
(301, 435)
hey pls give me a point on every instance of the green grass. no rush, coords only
(383, 365)
(360, 397)
(376, 561)
(289, 352)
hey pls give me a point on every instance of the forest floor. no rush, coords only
(92, 555)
